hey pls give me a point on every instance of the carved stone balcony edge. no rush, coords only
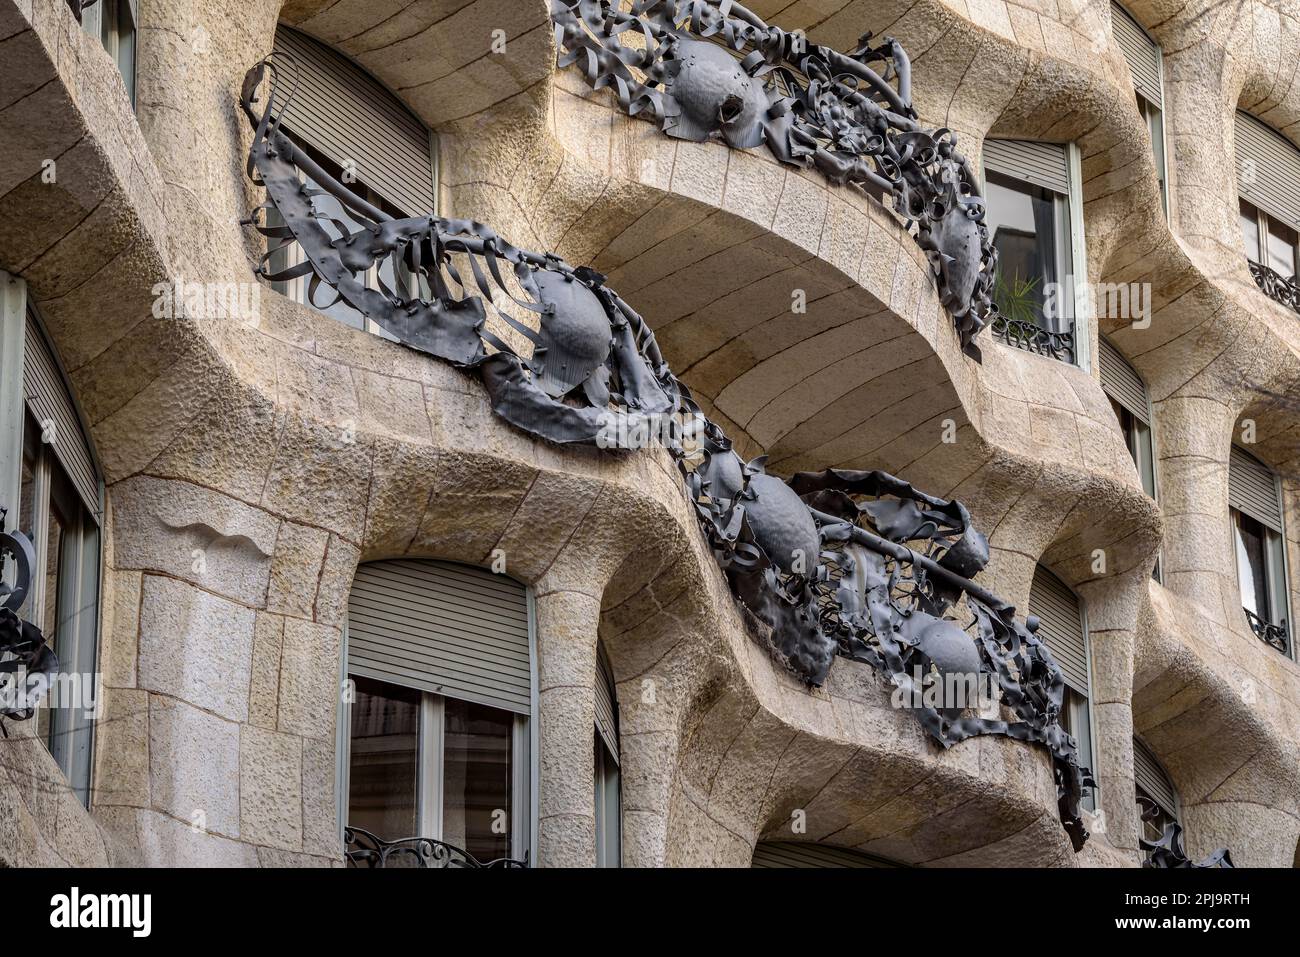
(364, 849)
(706, 69)
(1279, 288)
(857, 564)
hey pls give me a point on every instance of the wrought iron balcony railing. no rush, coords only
(364, 849)
(1272, 635)
(1033, 338)
(1279, 288)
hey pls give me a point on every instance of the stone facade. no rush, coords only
(292, 449)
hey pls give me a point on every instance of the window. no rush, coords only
(113, 22)
(1257, 535)
(436, 740)
(607, 796)
(1132, 407)
(1146, 67)
(1063, 629)
(1035, 221)
(777, 854)
(1154, 786)
(52, 492)
(1267, 241)
(1268, 187)
(364, 137)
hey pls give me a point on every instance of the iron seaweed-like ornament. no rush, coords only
(848, 563)
(704, 69)
(27, 663)
(1168, 853)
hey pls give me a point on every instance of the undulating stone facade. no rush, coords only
(292, 449)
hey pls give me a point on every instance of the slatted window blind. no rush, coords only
(1141, 52)
(1151, 778)
(1041, 164)
(606, 703)
(342, 111)
(1061, 627)
(1268, 169)
(771, 854)
(48, 400)
(1252, 489)
(444, 628)
(1121, 382)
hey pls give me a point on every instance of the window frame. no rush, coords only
(69, 732)
(429, 803)
(607, 790)
(1077, 707)
(123, 12)
(1070, 245)
(1276, 561)
(1263, 220)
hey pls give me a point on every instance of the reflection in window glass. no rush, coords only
(1249, 219)
(384, 759)
(1281, 248)
(1252, 564)
(1154, 828)
(476, 785)
(1023, 222)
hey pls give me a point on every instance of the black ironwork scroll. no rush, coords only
(1022, 334)
(706, 69)
(858, 564)
(1167, 852)
(364, 849)
(1281, 289)
(27, 663)
(77, 6)
(1275, 636)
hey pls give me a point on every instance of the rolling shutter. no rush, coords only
(343, 112)
(47, 398)
(1151, 778)
(1061, 627)
(606, 706)
(1252, 489)
(800, 854)
(1121, 382)
(1041, 164)
(1141, 52)
(1268, 169)
(444, 628)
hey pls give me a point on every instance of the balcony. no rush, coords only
(1279, 288)
(363, 849)
(1022, 334)
(1275, 636)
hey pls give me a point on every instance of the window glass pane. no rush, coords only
(51, 558)
(1022, 219)
(1155, 127)
(1281, 248)
(476, 783)
(609, 852)
(1249, 219)
(1126, 426)
(384, 759)
(1074, 719)
(27, 503)
(1252, 566)
(1154, 828)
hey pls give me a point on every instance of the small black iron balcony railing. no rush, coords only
(1273, 635)
(1031, 337)
(1279, 288)
(363, 849)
